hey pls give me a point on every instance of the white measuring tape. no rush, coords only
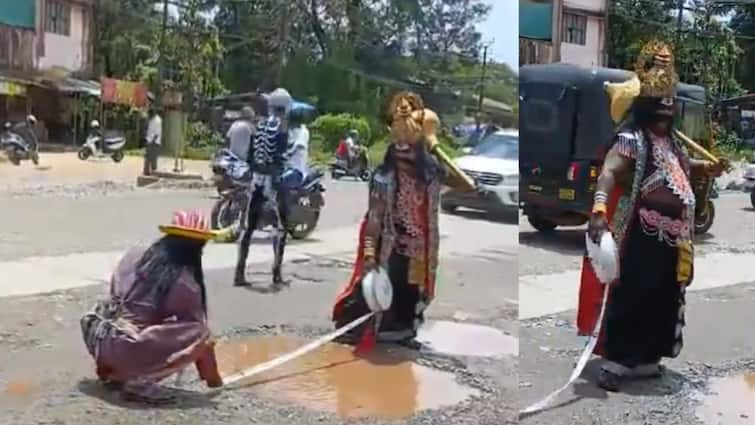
(264, 367)
(581, 363)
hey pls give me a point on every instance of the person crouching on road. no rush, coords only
(154, 323)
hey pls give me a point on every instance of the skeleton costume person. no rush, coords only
(154, 322)
(267, 159)
(400, 230)
(645, 199)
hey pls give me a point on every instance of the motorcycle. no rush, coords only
(232, 178)
(358, 169)
(706, 213)
(749, 185)
(16, 147)
(112, 145)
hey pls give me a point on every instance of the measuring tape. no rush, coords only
(581, 363)
(264, 367)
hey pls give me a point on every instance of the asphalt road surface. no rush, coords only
(57, 250)
(719, 337)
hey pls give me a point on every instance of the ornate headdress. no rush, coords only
(654, 77)
(655, 69)
(190, 225)
(410, 122)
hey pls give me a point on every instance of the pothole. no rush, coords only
(464, 339)
(386, 384)
(731, 401)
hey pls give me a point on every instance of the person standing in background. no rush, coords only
(241, 132)
(298, 150)
(153, 141)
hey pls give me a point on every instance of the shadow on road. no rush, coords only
(182, 399)
(568, 242)
(503, 217)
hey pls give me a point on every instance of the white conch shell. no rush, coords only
(604, 257)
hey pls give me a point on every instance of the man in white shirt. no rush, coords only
(154, 141)
(298, 150)
(241, 132)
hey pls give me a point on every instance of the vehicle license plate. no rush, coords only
(567, 194)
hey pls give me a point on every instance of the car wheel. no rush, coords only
(541, 224)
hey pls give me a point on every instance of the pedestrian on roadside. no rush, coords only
(154, 140)
(154, 323)
(645, 199)
(267, 159)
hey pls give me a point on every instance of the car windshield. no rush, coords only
(501, 146)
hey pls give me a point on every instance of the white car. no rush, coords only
(494, 164)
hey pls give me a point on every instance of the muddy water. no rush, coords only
(464, 339)
(386, 384)
(731, 402)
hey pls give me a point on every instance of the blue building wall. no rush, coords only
(18, 13)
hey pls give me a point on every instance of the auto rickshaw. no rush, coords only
(565, 132)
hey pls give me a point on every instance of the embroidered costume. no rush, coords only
(400, 230)
(154, 322)
(651, 217)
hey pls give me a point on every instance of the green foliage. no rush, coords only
(331, 129)
(705, 35)
(200, 135)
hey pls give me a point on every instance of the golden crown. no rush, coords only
(655, 69)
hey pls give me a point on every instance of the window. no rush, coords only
(58, 17)
(575, 29)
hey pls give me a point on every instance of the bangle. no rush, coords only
(599, 208)
(600, 197)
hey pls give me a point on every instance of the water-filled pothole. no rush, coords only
(731, 401)
(463, 339)
(385, 384)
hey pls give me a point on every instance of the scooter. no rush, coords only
(16, 147)
(358, 169)
(112, 146)
(749, 185)
(232, 177)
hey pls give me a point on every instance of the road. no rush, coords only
(719, 339)
(57, 250)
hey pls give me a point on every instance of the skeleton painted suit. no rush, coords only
(267, 159)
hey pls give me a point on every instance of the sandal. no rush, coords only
(609, 381)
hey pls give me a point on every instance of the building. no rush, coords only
(570, 31)
(44, 45)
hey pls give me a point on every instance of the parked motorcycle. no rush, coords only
(358, 169)
(16, 147)
(749, 186)
(101, 144)
(232, 178)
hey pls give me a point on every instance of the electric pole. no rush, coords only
(679, 20)
(481, 93)
(161, 58)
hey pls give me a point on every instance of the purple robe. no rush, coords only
(134, 335)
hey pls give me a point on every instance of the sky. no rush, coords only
(502, 28)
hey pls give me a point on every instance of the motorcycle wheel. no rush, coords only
(365, 175)
(84, 154)
(35, 158)
(301, 231)
(13, 157)
(223, 216)
(704, 221)
(752, 197)
(117, 156)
